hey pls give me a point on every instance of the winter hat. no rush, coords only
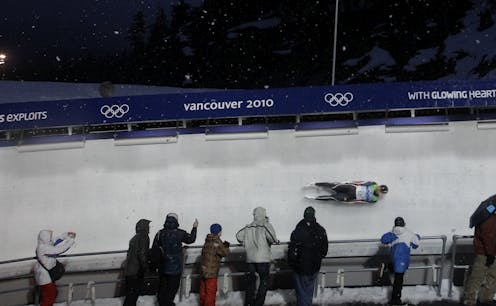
(173, 215)
(309, 213)
(399, 222)
(215, 228)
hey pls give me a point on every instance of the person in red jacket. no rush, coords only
(482, 280)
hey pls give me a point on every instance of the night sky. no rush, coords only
(58, 28)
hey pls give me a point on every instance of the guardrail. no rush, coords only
(454, 266)
(339, 249)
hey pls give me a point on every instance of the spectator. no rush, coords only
(257, 237)
(48, 270)
(212, 252)
(307, 247)
(401, 240)
(482, 280)
(169, 241)
(137, 262)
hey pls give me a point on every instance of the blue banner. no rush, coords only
(247, 103)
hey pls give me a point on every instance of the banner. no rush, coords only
(247, 103)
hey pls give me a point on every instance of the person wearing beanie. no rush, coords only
(136, 265)
(257, 237)
(212, 252)
(307, 247)
(168, 243)
(401, 241)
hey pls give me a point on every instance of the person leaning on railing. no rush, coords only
(47, 269)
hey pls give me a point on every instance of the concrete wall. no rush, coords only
(436, 180)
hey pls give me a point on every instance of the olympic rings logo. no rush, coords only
(114, 111)
(335, 99)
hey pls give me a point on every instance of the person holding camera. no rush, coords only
(481, 284)
(47, 269)
(212, 252)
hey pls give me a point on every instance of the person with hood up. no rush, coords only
(401, 240)
(307, 246)
(46, 252)
(257, 237)
(169, 241)
(481, 282)
(137, 262)
(212, 252)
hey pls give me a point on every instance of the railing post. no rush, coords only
(340, 280)
(452, 268)
(91, 292)
(187, 285)
(225, 284)
(70, 293)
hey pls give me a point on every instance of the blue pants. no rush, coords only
(304, 286)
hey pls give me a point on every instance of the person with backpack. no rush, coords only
(169, 243)
(257, 237)
(402, 241)
(47, 269)
(212, 252)
(307, 246)
(137, 262)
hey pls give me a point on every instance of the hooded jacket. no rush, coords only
(169, 241)
(212, 252)
(401, 240)
(307, 247)
(257, 237)
(137, 253)
(46, 252)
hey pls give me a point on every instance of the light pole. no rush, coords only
(333, 78)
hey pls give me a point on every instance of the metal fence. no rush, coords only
(343, 250)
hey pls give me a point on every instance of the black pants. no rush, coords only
(169, 284)
(397, 287)
(262, 269)
(133, 287)
(341, 192)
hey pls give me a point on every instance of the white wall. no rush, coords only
(436, 180)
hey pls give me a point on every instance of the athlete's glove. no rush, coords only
(489, 260)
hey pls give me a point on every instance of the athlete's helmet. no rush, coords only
(399, 222)
(383, 188)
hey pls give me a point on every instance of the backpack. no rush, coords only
(56, 272)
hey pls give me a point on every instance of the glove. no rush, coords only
(226, 244)
(489, 260)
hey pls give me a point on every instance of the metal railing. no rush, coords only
(454, 266)
(186, 285)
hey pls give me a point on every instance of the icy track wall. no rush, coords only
(436, 179)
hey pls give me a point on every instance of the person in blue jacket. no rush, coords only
(402, 241)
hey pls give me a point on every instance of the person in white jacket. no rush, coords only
(46, 252)
(257, 237)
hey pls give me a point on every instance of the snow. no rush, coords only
(470, 47)
(421, 57)
(329, 296)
